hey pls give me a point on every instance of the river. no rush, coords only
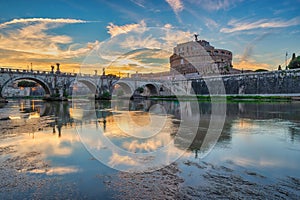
(149, 149)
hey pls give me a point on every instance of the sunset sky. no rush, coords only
(123, 35)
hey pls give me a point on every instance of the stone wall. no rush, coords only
(264, 83)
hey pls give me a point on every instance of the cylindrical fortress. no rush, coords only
(199, 57)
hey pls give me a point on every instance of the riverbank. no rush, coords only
(228, 98)
(200, 98)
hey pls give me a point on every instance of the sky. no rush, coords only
(125, 36)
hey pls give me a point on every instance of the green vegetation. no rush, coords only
(258, 98)
(105, 96)
(295, 62)
(229, 98)
(140, 90)
(26, 84)
(120, 93)
(226, 68)
(26, 97)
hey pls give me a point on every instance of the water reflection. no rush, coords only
(257, 138)
(65, 114)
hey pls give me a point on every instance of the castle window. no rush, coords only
(181, 61)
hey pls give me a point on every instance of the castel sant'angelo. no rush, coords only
(195, 59)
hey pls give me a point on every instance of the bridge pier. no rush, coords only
(3, 100)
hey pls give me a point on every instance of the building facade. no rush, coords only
(200, 57)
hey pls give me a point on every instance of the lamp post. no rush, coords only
(286, 54)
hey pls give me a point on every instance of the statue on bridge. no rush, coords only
(196, 37)
(57, 68)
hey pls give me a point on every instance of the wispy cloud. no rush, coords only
(126, 11)
(139, 3)
(115, 30)
(262, 23)
(176, 5)
(210, 23)
(148, 48)
(137, 36)
(249, 48)
(246, 60)
(215, 5)
(44, 20)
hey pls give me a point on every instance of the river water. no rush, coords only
(149, 149)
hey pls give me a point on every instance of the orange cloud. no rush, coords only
(32, 43)
(251, 65)
(34, 39)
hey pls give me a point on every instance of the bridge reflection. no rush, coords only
(99, 114)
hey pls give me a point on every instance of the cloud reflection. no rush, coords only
(149, 145)
(56, 170)
(117, 159)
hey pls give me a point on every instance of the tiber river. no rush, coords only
(119, 149)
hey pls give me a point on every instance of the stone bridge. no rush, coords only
(59, 84)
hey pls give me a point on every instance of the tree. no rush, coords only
(279, 67)
(295, 62)
(120, 93)
(294, 56)
(105, 95)
(140, 90)
(226, 68)
(26, 84)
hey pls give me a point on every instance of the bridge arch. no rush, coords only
(89, 84)
(123, 86)
(152, 89)
(44, 85)
(92, 87)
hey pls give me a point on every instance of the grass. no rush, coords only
(229, 98)
(25, 97)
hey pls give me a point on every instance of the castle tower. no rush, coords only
(198, 57)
